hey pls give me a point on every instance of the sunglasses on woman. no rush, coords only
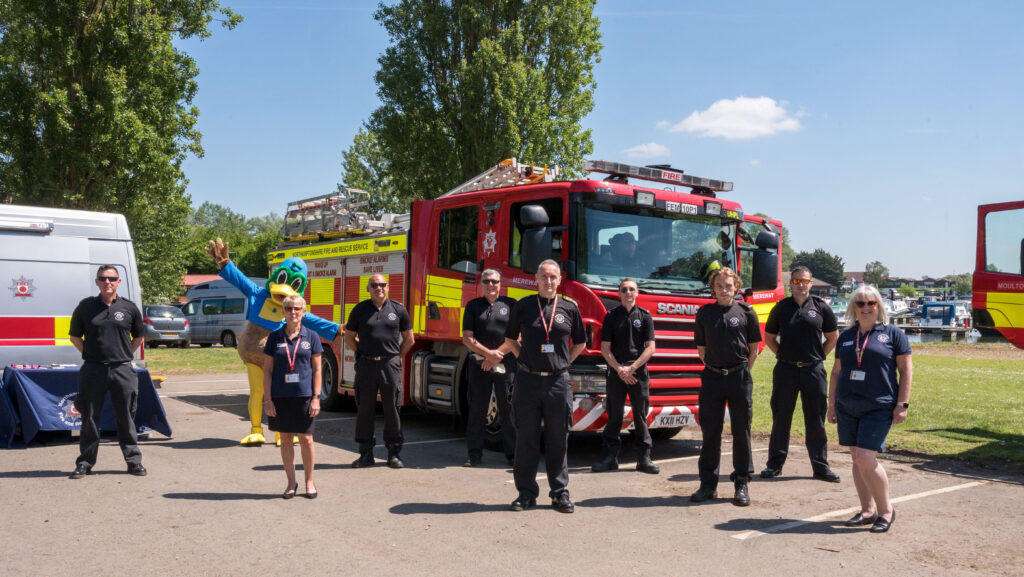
(862, 304)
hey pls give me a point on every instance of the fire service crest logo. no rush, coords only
(22, 287)
(67, 411)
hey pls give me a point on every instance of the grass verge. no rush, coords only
(193, 361)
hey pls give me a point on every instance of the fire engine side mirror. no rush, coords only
(766, 270)
(535, 248)
(766, 240)
(532, 216)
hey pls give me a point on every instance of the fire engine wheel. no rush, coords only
(665, 434)
(330, 398)
(228, 339)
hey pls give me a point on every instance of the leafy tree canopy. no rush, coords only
(96, 113)
(876, 273)
(823, 265)
(250, 239)
(464, 85)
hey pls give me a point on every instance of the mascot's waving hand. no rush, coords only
(266, 314)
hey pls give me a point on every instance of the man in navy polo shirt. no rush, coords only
(372, 332)
(801, 331)
(100, 330)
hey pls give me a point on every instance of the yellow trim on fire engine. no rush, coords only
(345, 248)
(446, 292)
(518, 293)
(61, 328)
(321, 291)
(419, 318)
(762, 310)
(336, 315)
(1011, 305)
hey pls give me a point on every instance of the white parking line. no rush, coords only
(184, 393)
(330, 419)
(406, 444)
(843, 512)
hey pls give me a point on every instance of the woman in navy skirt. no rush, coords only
(291, 371)
(869, 391)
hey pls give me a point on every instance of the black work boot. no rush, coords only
(645, 464)
(365, 460)
(609, 462)
(742, 497)
(393, 461)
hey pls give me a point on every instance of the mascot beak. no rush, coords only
(281, 292)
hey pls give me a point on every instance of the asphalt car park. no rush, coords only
(212, 507)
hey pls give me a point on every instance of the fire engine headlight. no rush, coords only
(588, 382)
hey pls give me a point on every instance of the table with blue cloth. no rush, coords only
(42, 399)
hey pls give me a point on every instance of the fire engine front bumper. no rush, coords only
(588, 414)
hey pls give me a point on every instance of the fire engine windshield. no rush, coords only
(662, 251)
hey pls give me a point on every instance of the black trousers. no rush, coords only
(95, 380)
(537, 400)
(639, 394)
(788, 381)
(716, 391)
(480, 386)
(383, 376)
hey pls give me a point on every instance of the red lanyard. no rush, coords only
(292, 354)
(861, 348)
(543, 321)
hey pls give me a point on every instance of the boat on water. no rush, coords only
(945, 314)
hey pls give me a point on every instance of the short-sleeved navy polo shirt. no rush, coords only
(303, 347)
(880, 386)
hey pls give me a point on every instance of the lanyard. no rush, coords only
(290, 353)
(861, 347)
(544, 322)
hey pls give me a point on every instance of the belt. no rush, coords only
(725, 370)
(106, 363)
(801, 363)
(524, 368)
(381, 358)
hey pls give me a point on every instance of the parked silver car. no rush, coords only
(166, 325)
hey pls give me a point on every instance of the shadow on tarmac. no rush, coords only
(207, 443)
(445, 508)
(221, 496)
(815, 528)
(637, 502)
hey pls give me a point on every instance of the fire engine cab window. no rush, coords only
(457, 238)
(1003, 241)
(553, 206)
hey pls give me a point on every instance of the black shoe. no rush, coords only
(136, 469)
(80, 471)
(742, 496)
(859, 519)
(608, 463)
(471, 462)
(522, 502)
(290, 492)
(704, 494)
(309, 495)
(881, 525)
(828, 476)
(645, 465)
(770, 473)
(394, 462)
(562, 504)
(364, 460)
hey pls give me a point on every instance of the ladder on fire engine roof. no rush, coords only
(508, 172)
(657, 173)
(335, 215)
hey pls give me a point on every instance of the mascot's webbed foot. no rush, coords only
(253, 440)
(277, 439)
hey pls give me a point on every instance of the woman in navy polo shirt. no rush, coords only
(869, 390)
(291, 371)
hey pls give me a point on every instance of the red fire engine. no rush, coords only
(998, 281)
(510, 218)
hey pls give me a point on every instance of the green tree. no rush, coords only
(823, 265)
(250, 239)
(962, 284)
(365, 167)
(876, 273)
(906, 290)
(464, 85)
(96, 113)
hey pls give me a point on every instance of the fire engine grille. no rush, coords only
(675, 367)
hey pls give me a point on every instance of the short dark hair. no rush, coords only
(104, 267)
(801, 268)
(625, 280)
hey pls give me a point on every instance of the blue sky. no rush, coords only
(871, 129)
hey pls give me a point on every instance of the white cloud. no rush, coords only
(755, 162)
(649, 150)
(740, 119)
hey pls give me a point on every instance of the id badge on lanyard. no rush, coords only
(548, 347)
(857, 374)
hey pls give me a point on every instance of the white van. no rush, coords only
(216, 312)
(50, 257)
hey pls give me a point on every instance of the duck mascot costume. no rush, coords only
(265, 316)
